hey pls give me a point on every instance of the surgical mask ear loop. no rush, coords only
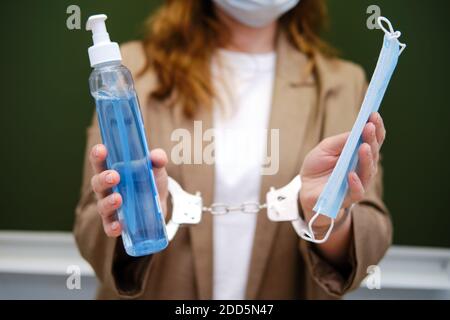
(391, 33)
(309, 235)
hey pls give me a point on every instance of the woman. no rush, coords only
(241, 66)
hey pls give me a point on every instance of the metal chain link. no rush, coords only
(246, 207)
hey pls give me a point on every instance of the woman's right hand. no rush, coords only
(104, 180)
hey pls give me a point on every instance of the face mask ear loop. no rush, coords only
(309, 235)
(391, 33)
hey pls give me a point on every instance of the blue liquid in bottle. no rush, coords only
(122, 130)
(123, 134)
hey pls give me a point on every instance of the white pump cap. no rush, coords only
(103, 49)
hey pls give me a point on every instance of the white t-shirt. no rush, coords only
(244, 85)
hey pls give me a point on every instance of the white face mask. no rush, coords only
(256, 13)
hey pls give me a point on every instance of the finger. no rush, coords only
(103, 182)
(365, 164)
(111, 226)
(355, 187)
(369, 136)
(377, 120)
(97, 158)
(108, 205)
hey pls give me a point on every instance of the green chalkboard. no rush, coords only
(46, 107)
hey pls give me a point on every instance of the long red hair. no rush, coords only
(182, 35)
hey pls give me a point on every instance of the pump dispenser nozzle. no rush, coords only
(103, 49)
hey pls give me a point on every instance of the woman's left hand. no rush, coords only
(320, 162)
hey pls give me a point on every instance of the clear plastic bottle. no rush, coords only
(123, 134)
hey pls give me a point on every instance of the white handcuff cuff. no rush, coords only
(281, 204)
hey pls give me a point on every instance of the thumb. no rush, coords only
(159, 162)
(159, 158)
(334, 145)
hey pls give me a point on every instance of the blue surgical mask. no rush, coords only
(331, 199)
(256, 13)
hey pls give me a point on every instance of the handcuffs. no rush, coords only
(281, 204)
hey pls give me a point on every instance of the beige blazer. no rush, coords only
(305, 110)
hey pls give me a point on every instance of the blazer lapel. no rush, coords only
(294, 95)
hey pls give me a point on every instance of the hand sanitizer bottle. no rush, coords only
(123, 134)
